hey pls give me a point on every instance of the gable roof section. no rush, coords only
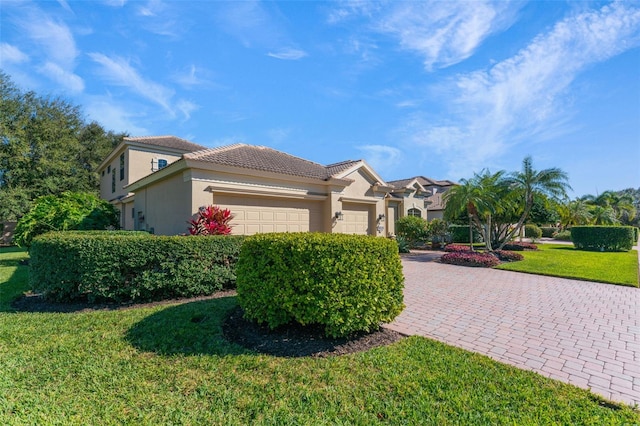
(424, 181)
(171, 142)
(260, 158)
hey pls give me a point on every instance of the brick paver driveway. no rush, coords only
(583, 333)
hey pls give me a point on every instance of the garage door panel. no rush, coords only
(356, 218)
(254, 215)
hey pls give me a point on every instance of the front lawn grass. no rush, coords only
(170, 365)
(561, 260)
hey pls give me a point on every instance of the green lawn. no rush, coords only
(560, 260)
(154, 365)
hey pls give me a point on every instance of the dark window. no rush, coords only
(122, 166)
(133, 213)
(109, 168)
(414, 212)
(103, 173)
(162, 163)
(113, 181)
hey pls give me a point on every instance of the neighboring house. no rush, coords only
(265, 189)
(133, 159)
(420, 196)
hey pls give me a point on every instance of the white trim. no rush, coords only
(263, 192)
(358, 200)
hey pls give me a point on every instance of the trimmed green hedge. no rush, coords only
(345, 283)
(532, 231)
(603, 238)
(460, 234)
(549, 231)
(126, 266)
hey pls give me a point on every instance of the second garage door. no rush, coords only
(357, 218)
(254, 215)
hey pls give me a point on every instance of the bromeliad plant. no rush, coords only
(211, 220)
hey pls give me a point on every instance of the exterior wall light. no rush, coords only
(338, 216)
(380, 217)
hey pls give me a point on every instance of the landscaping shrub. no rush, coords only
(532, 231)
(344, 283)
(549, 231)
(403, 245)
(413, 229)
(519, 246)
(67, 211)
(211, 220)
(603, 238)
(124, 266)
(563, 235)
(456, 247)
(438, 231)
(508, 256)
(474, 259)
(460, 234)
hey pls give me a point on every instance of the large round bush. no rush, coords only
(345, 283)
(64, 212)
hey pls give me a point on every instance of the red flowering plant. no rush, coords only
(211, 220)
(519, 246)
(475, 259)
(456, 247)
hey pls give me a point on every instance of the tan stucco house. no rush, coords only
(159, 183)
(420, 196)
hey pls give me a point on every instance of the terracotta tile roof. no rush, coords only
(335, 168)
(171, 142)
(424, 181)
(261, 158)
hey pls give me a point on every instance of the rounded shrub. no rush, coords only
(532, 231)
(549, 231)
(67, 211)
(414, 230)
(344, 283)
(563, 235)
(508, 256)
(603, 238)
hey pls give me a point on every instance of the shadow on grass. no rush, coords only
(187, 329)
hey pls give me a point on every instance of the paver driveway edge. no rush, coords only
(579, 332)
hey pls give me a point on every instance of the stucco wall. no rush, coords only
(165, 206)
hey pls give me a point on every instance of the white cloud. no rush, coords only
(115, 3)
(11, 54)
(186, 108)
(66, 79)
(521, 98)
(55, 39)
(382, 158)
(106, 111)
(442, 32)
(289, 54)
(118, 71)
(278, 135)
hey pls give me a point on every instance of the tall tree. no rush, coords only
(529, 183)
(46, 148)
(575, 212)
(480, 198)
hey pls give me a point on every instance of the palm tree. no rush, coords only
(528, 183)
(603, 216)
(479, 197)
(575, 212)
(622, 205)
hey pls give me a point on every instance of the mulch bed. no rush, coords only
(289, 341)
(294, 340)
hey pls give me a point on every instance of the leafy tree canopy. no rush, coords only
(46, 148)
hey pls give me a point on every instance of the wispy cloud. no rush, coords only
(288, 54)
(192, 77)
(522, 98)
(110, 114)
(58, 47)
(118, 71)
(186, 108)
(11, 54)
(278, 135)
(63, 77)
(382, 158)
(115, 3)
(443, 33)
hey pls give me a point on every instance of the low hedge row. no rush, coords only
(549, 231)
(124, 266)
(603, 238)
(343, 283)
(519, 246)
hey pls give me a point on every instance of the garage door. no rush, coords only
(253, 215)
(356, 218)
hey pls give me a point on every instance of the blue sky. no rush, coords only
(435, 88)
